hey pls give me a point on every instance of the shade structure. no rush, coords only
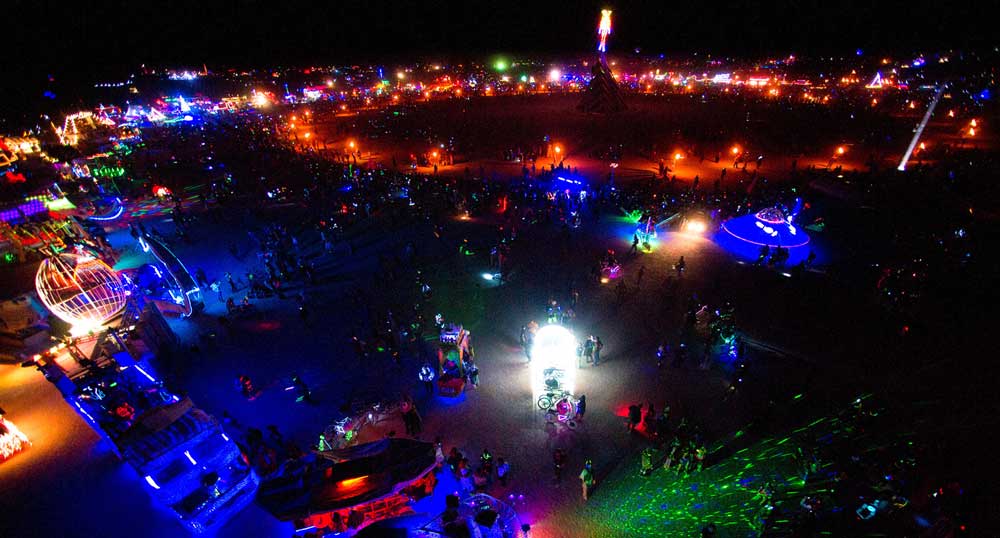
(80, 290)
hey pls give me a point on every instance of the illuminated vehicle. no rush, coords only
(454, 353)
(553, 369)
(343, 491)
(478, 515)
(182, 452)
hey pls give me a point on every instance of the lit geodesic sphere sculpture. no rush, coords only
(80, 290)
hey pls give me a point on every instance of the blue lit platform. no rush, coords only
(745, 236)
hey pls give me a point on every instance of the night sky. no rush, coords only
(91, 41)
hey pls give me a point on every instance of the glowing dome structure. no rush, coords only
(770, 227)
(80, 289)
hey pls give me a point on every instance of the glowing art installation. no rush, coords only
(604, 30)
(81, 290)
(553, 355)
(12, 440)
(770, 227)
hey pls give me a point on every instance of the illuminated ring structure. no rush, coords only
(80, 290)
(768, 227)
(183, 288)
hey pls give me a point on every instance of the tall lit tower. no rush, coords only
(603, 31)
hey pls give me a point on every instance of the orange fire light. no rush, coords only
(352, 482)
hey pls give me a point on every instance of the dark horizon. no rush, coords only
(86, 44)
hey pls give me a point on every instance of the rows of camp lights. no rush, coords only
(555, 77)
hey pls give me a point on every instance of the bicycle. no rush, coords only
(563, 411)
(552, 397)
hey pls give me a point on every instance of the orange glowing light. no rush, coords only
(922, 146)
(678, 156)
(352, 482)
(973, 123)
(558, 149)
(736, 150)
(307, 135)
(434, 154)
(972, 131)
(841, 150)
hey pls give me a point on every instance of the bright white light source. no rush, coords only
(554, 349)
(695, 227)
(555, 75)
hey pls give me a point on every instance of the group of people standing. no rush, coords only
(472, 480)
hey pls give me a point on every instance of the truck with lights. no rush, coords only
(186, 459)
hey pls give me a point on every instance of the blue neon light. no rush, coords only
(572, 181)
(118, 212)
(85, 413)
(143, 372)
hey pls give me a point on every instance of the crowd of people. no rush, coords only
(335, 203)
